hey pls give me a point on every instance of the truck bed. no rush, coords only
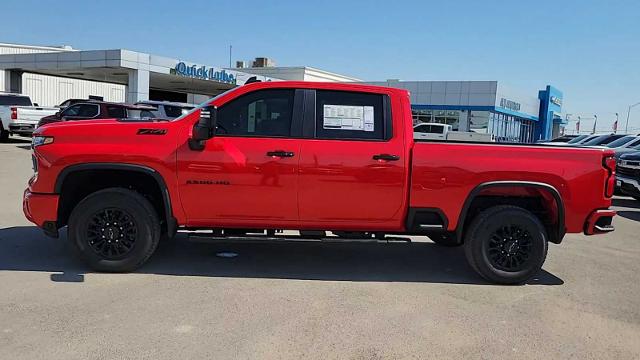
(444, 174)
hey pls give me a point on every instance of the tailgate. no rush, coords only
(33, 114)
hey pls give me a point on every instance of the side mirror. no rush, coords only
(204, 129)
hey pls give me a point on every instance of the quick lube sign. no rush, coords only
(204, 73)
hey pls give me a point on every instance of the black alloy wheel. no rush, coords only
(509, 247)
(506, 244)
(114, 230)
(112, 233)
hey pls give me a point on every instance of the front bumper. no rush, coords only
(42, 210)
(627, 185)
(22, 128)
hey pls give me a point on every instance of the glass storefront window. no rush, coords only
(479, 121)
(504, 128)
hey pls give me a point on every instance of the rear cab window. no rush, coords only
(12, 100)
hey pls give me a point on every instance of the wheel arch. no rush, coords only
(167, 212)
(506, 189)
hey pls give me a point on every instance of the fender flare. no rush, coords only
(166, 199)
(556, 238)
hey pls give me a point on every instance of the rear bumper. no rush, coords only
(42, 210)
(22, 128)
(599, 222)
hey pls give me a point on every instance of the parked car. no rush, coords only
(562, 140)
(168, 110)
(285, 155)
(601, 140)
(431, 131)
(438, 131)
(94, 109)
(628, 174)
(19, 116)
(623, 142)
(625, 150)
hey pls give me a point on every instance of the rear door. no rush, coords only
(352, 169)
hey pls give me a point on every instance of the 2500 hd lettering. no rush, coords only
(311, 157)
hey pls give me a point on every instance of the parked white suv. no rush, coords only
(19, 116)
(166, 109)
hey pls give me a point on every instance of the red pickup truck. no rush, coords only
(312, 157)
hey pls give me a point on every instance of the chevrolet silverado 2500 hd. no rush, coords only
(312, 157)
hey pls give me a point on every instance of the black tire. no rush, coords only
(445, 240)
(506, 244)
(102, 242)
(4, 134)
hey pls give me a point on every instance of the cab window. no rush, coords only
(263, 113)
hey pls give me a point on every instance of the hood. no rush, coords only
(631, 156)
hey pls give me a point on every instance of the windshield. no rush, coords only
(596, 140)
(577, 139)
(623, 140)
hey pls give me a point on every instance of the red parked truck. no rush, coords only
(312, 157)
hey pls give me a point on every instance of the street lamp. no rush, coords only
(626, 127)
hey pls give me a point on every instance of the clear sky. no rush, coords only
(588, 49)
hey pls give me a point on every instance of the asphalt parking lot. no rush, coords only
(311, 300)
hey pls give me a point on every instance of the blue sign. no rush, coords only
(204, 73)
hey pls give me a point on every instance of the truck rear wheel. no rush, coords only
(506, 244)
(114, 230)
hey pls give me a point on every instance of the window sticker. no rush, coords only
(347, 117)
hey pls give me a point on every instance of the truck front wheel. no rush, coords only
(506, 244)
(114, 230)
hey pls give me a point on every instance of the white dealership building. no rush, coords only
(50, 75)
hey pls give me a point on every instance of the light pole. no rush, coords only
(615, 127)
(595, 122)
(566, 119)
(626, 127)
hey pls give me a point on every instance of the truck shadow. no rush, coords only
(631, 208)
(26, 249)
(626, 203)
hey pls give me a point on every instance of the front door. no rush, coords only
(247, 173)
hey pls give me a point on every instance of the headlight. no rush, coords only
(41, 140)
